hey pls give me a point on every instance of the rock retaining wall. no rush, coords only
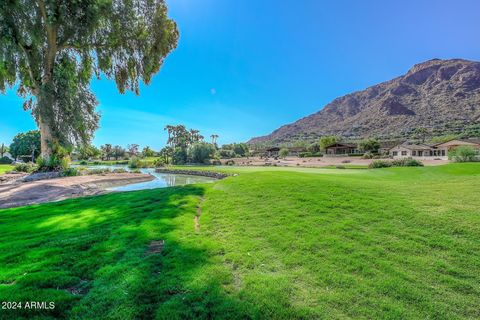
(210, 174)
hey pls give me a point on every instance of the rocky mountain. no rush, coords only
(442, 96)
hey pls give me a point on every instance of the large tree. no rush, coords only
(51, 49)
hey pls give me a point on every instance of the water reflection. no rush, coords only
(162, 180)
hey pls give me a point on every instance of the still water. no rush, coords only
(162, 180)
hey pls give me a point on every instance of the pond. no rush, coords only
(162, 180)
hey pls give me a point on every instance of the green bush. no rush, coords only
(159, 163)
(70, 172)
(380, 164)
(83, 162)
(464, 154)
(230, 163)
(134, 163)
(283, 153)
(54, 163)
(25, 167)
(407, 162)
(5, 160)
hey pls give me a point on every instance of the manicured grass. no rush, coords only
(5, 167)
(281, 243)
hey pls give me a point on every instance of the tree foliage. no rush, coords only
(200, 152)
(51, 49)
(327, 141)
(26, 144)
(369, 145)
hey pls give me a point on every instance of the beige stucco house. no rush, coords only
(436, 151)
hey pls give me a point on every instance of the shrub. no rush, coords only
(407, 162)
(283, 152)
(83, 162)
(54, 163)
(25, 167)
(346, 161)
(5, 160)
(367, 155)
(380, 164)
(463, 154)
(230, 163)
(119, 170)
(70, 172)
(134, 163)
(159, 163)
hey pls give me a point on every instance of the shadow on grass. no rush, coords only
(91, 257)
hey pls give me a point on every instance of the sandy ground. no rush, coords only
(14, 193)
(315, 161)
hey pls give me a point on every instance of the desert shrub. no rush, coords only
(367, 155)
(464, 154)
(70, 172)
(136, 163)
(380, 164)
(159, 163)
(97, 171)
(5, 160)
(407, 162)
(310, 154)
(283, 153)
(54, 163)
(25, 167)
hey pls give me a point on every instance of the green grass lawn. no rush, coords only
(5, 167)
(273, 243)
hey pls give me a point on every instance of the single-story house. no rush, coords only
(340, 148)
(272, 152)
(436, 151)
(406, 150)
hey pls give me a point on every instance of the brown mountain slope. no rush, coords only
(440, 95)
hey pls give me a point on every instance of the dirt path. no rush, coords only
(18, 193)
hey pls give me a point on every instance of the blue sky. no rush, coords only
(244, 68)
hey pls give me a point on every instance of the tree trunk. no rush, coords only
(46, 138)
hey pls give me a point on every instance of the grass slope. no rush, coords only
(5, 167)
(278, 243)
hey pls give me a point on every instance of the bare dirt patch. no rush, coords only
(314, 161)
(155, 247)
(15, 193)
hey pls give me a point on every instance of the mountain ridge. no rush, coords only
(442, 96)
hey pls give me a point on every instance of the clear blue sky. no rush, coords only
(244, 68)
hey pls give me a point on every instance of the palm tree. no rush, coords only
(214, 138)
